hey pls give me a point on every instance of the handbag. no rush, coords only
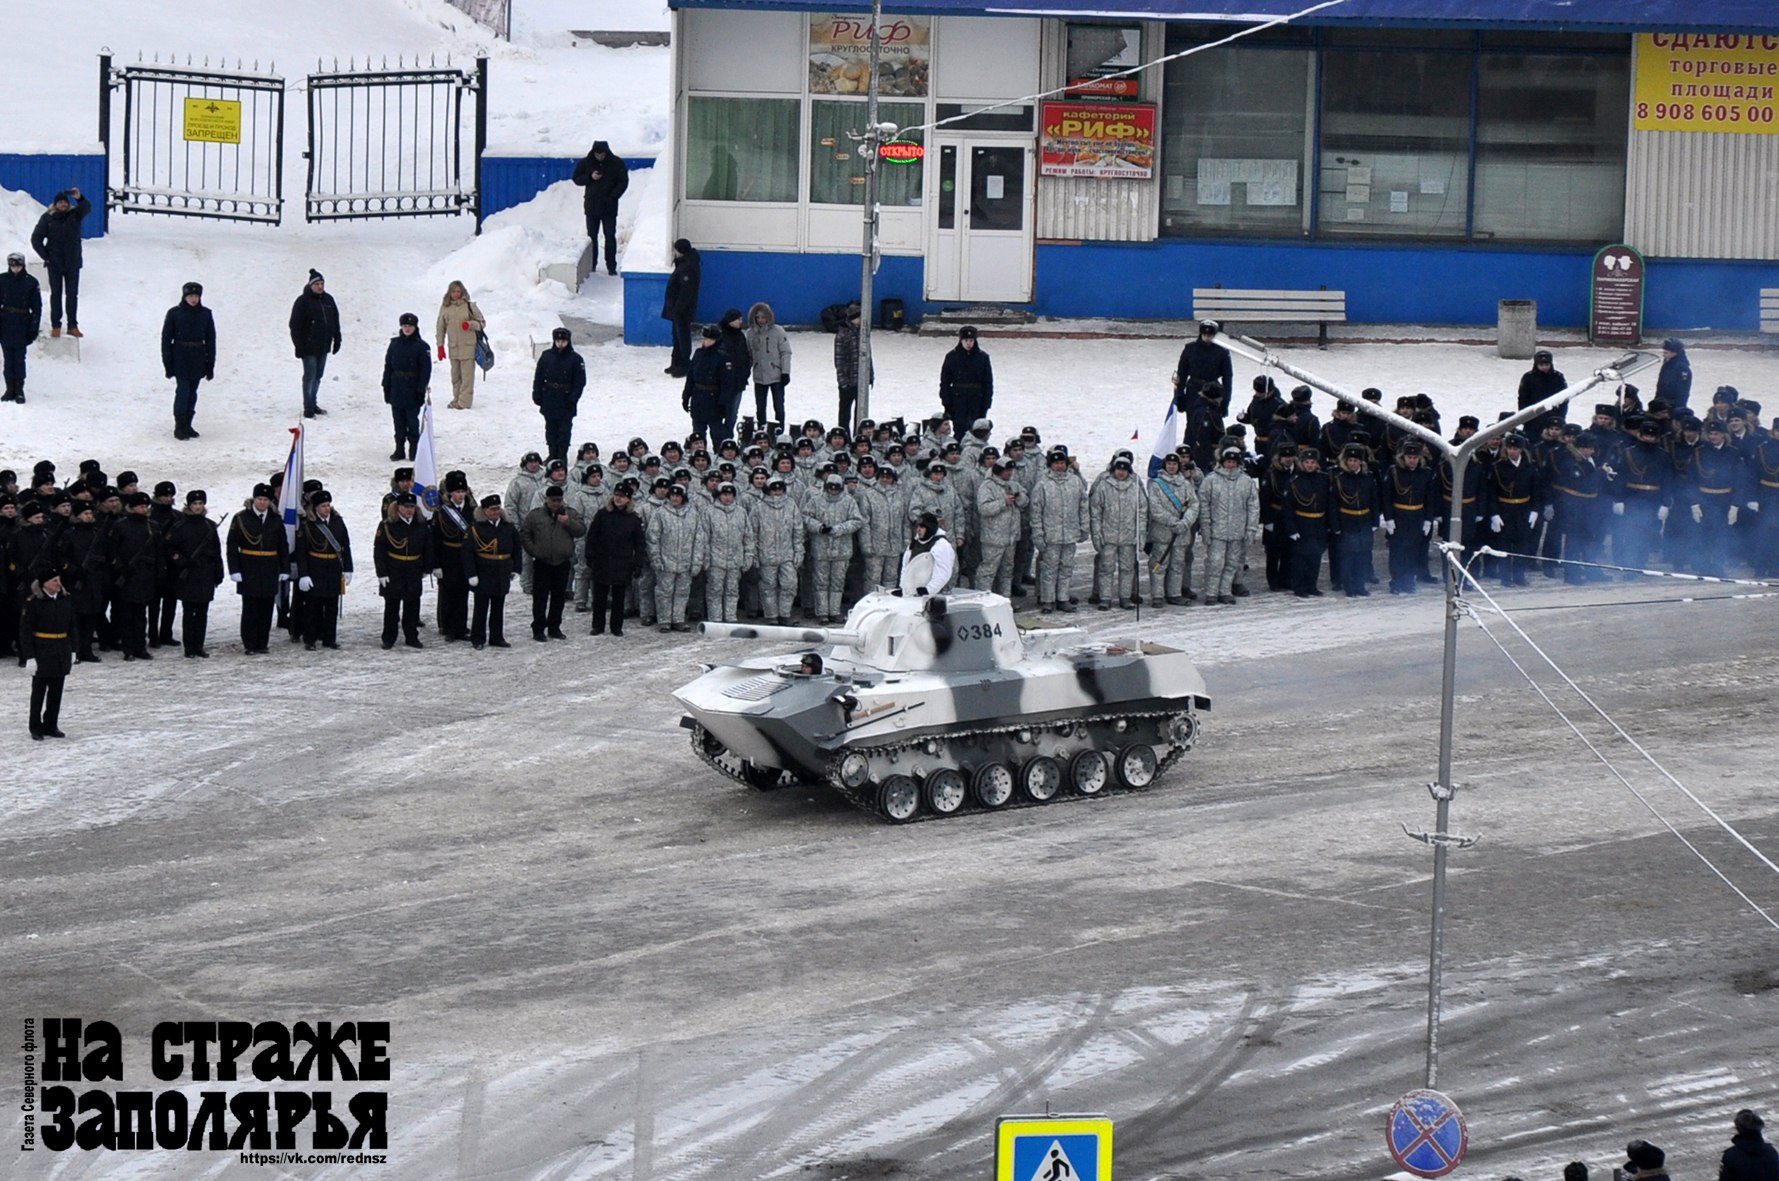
(484, 352)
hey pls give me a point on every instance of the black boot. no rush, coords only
(397, 453)
(180, 430)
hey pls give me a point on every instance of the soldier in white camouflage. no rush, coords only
(1118, 519)
(1229, 517)
(524, 492)
(885, 507)
(728, 550)
(1001, 503)
(778, 543)
(830, 518)
(1173, 512)
(675, 547)
(1059, 524)
(933, 493)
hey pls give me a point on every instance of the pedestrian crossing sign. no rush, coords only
(1053, 1148)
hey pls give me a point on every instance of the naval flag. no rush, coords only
(1166, 439)
(290, 496)
(426, 466)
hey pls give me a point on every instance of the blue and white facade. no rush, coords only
(1428, 157)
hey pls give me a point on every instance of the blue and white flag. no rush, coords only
(426, 466)
(290, 496)
(1166, 439)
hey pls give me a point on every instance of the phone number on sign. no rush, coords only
(1707, 112)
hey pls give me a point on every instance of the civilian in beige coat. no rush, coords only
(459, 321)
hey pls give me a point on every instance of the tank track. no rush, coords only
(727, 762)
(865, 796)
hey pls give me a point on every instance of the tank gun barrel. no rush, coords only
(781, 635)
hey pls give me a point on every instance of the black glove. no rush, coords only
(784, 379)
(897, 592)
(686, 405)
(827, 528)
(921, 593)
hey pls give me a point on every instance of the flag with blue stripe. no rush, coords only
(1166, 439)
(426, 466)
(290, 496)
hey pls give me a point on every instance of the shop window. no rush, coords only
(1235, 128)
(741, 149)
(1550, 147)
(837, 171)
(1395, 143)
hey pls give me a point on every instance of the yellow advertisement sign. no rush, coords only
(1707, 82)
(212, 121)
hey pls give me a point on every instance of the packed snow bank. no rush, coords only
(18, 217)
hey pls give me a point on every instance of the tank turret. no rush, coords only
(924, 706)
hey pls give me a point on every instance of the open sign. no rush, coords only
(902, 151)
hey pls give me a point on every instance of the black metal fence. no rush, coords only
(389, 142)
(197, 141)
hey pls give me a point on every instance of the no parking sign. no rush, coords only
(1426, 1133)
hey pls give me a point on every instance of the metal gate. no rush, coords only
(197, 142)
(388, 142)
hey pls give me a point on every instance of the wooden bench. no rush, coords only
(1320, 307)
(1769, 309)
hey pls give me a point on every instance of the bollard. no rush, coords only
(1516, 328)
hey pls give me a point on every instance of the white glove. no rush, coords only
(348, 577)
(1733, 514)
(1661, 514)
(1753, 506)
(474, 581)
(1266, 528)
(1297, 537)
(235, 577)
(1550, 512)
(1426, 528)
(1618, 508)
(383, 583)
(1496, 523)
(1611, 474)
(1390, 528)
(305, 583)
(1532, 518)
(284, 578)
(1698, 515)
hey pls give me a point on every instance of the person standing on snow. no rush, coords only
(21, 319)
(966, 380)
(556, 389)
(460, 320)
(315, 334)
(57, 242)
(680, 305)
(407, 371)
(605, 177)
(771, 349)
(188, 354)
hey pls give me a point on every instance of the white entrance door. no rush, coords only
(979, 236)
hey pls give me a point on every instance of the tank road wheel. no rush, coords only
(946, 790)
(1087, 773)
(1040, 779)
(898, 799)
(1136, 765)
(853, 770)
(762, 778)
(709, 743)
(992, 785)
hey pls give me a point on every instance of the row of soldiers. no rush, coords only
(761, 527)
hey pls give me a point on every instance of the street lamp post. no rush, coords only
(1442, 839)
(868, 261)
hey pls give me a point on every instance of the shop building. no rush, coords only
(1427, 157)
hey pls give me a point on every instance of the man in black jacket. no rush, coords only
(605, 177)
(57, 242)
(46, 628)
(556, 389)
(1749, 1158)
(259, 562)
(407, 371)
(134, 549)
(966, 380)
(315, 332)
(680, 305)
(188, 354)
(194, 554)
(21, 318)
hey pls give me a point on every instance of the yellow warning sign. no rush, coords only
(212, 121)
